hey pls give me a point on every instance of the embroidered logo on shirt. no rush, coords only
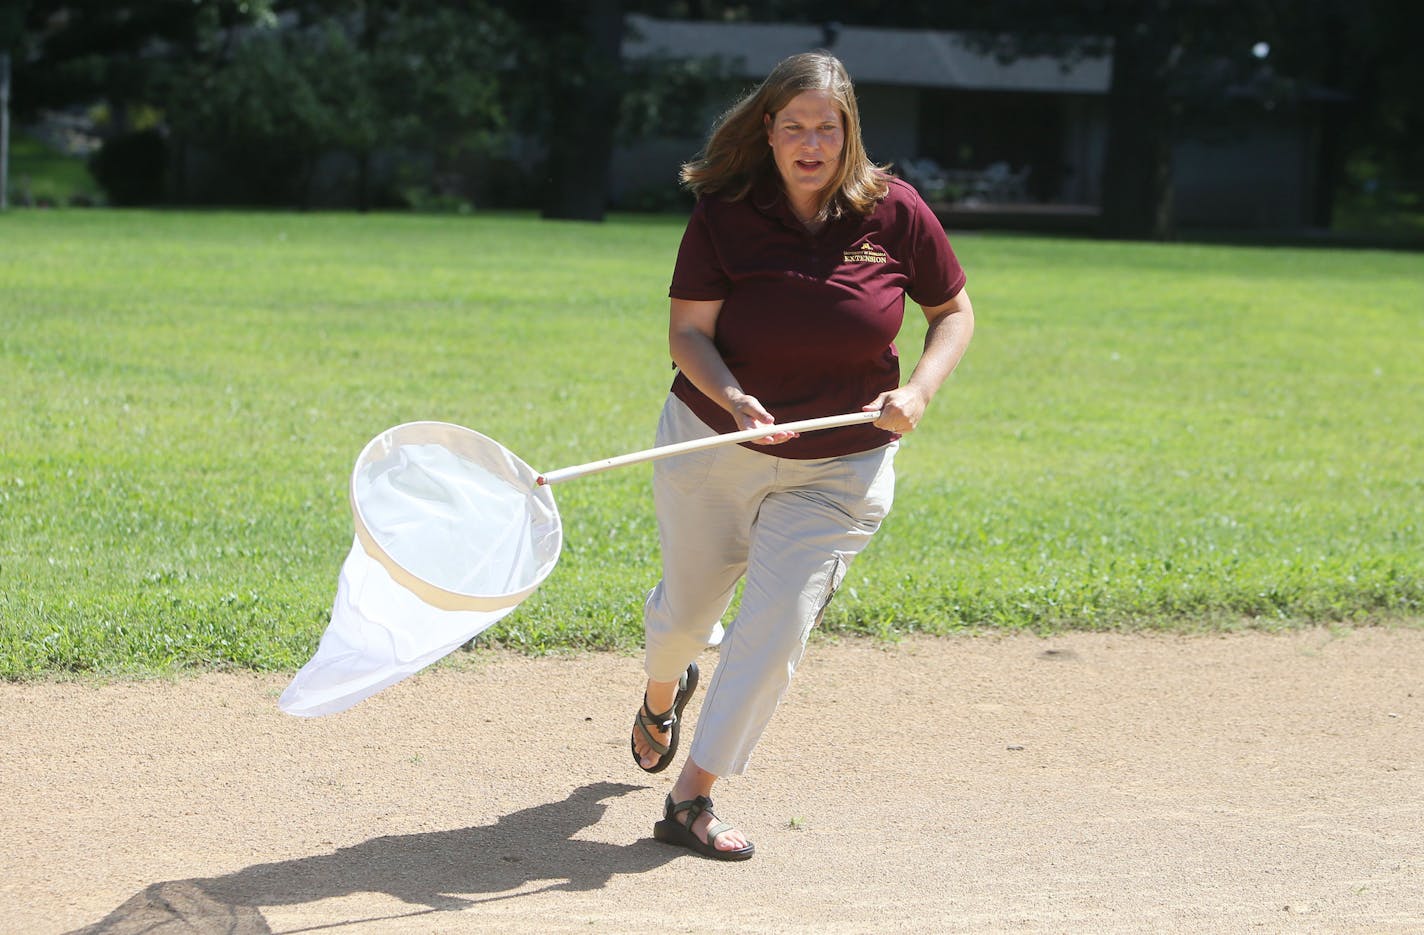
(866, 253)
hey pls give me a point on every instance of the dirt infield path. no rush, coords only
(1083, 783)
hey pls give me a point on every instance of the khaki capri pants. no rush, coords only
(792, 528)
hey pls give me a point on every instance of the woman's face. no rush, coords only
(806, 138)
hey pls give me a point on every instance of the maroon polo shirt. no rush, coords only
(808, 321)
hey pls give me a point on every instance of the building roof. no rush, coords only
(907, 57)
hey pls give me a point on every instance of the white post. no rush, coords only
(4, 130)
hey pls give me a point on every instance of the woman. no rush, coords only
(787, 295)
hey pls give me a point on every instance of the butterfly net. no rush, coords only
(452, 532)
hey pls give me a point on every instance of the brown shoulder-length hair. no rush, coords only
(737, 155)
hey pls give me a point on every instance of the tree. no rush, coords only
(1137, 164)
(436, 71)
(568, 82)
(113, 59)
(11, 19)
(446, 79)
(1373, 142)
(270, 110)
(415, 83)
(268, 88)
(87, 51)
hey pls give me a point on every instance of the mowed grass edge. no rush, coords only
(1142, 435)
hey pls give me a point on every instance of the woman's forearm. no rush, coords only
(950, 329)
(698, 359)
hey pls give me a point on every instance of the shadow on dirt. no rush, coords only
(528, 846)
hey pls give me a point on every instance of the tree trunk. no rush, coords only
(4, 129)
(584, 112)
(1137, 167)
(1330, 159)
(363, 181)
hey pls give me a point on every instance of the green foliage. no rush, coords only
(1377, 202)
(77, 52)
(1141, 435)
(667, 98)
(269, 111)
(435, 76)
(40, 175)
(440, 79)
(418, 88)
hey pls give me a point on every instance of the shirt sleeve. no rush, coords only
(698, 275)
(936, 274)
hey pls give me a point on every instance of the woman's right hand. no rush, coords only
(692, 327)
(749, 414)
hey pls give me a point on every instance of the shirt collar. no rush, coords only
(768, 197)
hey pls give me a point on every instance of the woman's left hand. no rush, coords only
(951, 325)
(900, 409)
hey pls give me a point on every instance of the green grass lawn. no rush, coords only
(1142, 435)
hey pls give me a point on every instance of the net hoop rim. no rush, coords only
(463, 439)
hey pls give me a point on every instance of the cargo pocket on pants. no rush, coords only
(828, 590)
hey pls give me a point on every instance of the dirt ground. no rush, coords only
(1081, 783)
